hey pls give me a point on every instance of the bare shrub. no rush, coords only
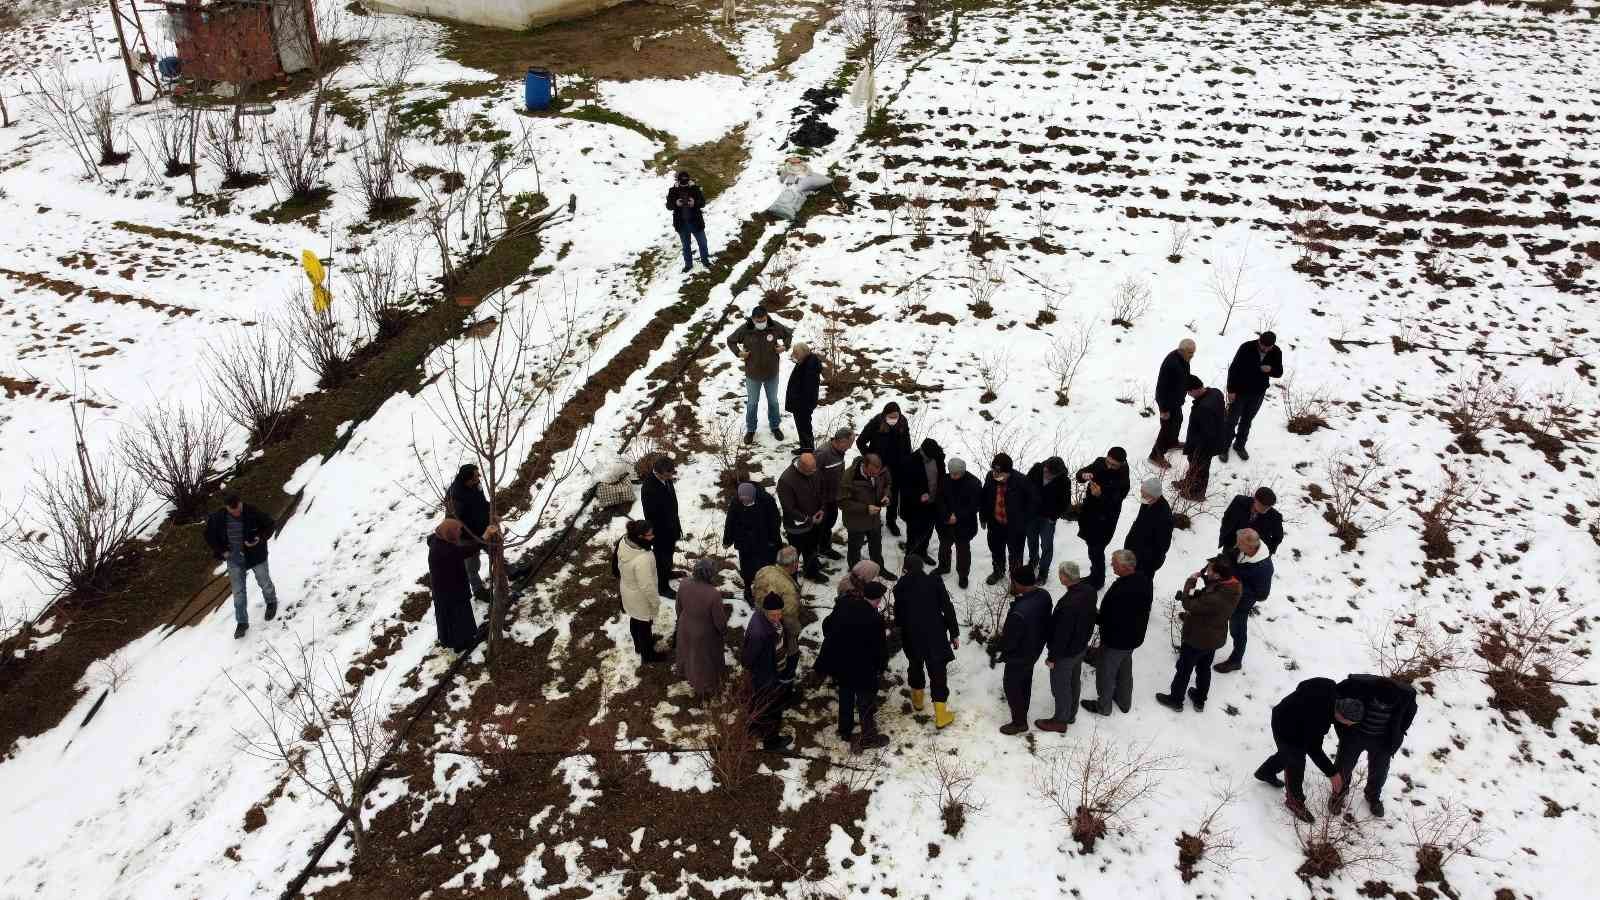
(1529, 644)
(91, 517)
(1304, 409)
(167, 141)
(777, 280)
(320, 730)
(1335, 841)
(1130, 302)
(177, 451)
(725, 442)
(1439, 834)
(1412, 647)
(984, 442)
(389, 65)
(68, 111)
(1228, 286)
(227, 149)
(730, 755)
(985, 277)
(1309, 232)
(1474, 404)
(836, 345)
(321, 337)
(1041, 215)
(950, 787)
(980, 206)
(1093, 784)
(1066, 356)
(297, 158)
(917, 212)
(983, 614)
(994, 370)
(251, 376)
(377, 288)
(1178, 236)
(1186, 509)
(1209, 842)
(1442, 519)
(1351, 503)
(379, 161)
(112, 672)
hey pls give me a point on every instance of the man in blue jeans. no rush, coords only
(238, 534)
(686, 201)
(760, 342)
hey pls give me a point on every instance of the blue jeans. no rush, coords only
(1042, 546)
(752, 400)
(236, 574)
(700, 238)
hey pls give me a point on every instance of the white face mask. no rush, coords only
(892, 420)
(761, 325)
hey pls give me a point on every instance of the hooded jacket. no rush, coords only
(1390, 707)
(1205, 625)
(638, 584)
(687, 215)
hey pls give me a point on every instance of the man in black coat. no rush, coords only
(687, 201)
(1054, 491)
(888, 434)
(855, 652)
(752, 528)
(1207, 437)
(1022, 639)
(238, 534)
(830, 461)
(1106, 486)
(1254, 366)
(1071, 627)
(465, 502)
(1258, 512)
(924, 475)
(957, 514)
(759, 656)
(1150, 535)
(1169, 400)
(801, 393)
(1299, 723)
(1004, 509)
(660, 500)
(929, 634)
(1124, 616)
(1388, 706)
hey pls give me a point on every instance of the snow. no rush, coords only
(718, 103)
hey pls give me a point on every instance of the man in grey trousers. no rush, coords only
(1071, 626)
(1124, 614)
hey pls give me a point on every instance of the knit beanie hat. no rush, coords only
(747, 493)
(774, 601)
(874, 591)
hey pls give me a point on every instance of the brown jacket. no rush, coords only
(765, 346)
(702, 633)
(800, 495)
(1206, 625)
(857, 492)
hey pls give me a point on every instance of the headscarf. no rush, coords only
(703, 570)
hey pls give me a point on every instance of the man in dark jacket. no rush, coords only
(800, 396)
(238, 534)
(752, 528)
(1004, 510)
(1252, 562)
(888, 434)
(929, 634)
(1071, 626)
(687, 203)
(759, 656)
(1054, 492)
(800, 495)
(1169, 400)
(465, 502)
(760, 342)
(1254, 366)
(1299, 723)
(1207, 437)
(1105, 487)
(1150, 535)
(1022, 639)
(659, 498)
(923, 476)
(1258, 512)
(855, 652)
(831, 466)
(1124, 615)
(1209, 597)
(1388, 706)
(862, 497)
(957, 514)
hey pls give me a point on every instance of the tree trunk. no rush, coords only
(501, 591)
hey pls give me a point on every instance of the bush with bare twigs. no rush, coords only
(321, 731)
(1093, 784)
(950, 787)
(379, 161)
(177, 451)
(1066, 356)
(985, 276)
(610, 768)
(985, 442)
(1178, 235)
(731, 755)
(983, 613)
(1210, 841)
(251, 375)
(322, 338)
(1304, 409)
(1229, 288)
(296, 155)
(1188, 509)
(1412, 647)
(1474, 404)
(376, 285)
(1130, 302)
(994, 370)
(1335, 841)
(91, 514)
(112, 672)
(777, 280)
(1528, 649)
(77, 116)
(1442, 518)
(227, 149)
(168, 141)
(1441, 833)
(1309, 232)
(1350, 501)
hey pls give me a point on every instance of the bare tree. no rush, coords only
(323, 732)
(950, 787)
(296, 158)
(1093, 784)
(177, 451)
(379, 161)
(389, 65)
(375, 284)
(462, 206)
(67, 109)
(112, 672)
(1441, 833)
(492, 394)
(1351, 503)
(994, 370)
(1130, 302)
(1228, 285)
(1211, 841)
(1178, 236)
(251, 377)
(322, 337)
(874, 31)
(228, 151)
(167, 141)
(90, 523)
(1067, 354)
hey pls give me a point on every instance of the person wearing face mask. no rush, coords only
(686, 200)
(1105, 487)
(1004, 510)
(1150, 536)
(888, 435)
(760, 342)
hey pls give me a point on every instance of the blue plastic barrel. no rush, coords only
(538, 88)
(169, 67)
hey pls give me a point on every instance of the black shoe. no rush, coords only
(1242, 454)
(893, 528)
(687, 268)
(1269, 778)
(482, 595)
(777, 433)
(705, 261)
(942, 570)
(994, 578)
(1198, 701)
(928, 560)
(831, 553)
(749, 437)
(1170, 702)
(873, 741)
(1222, 457)
(1093, 706)
(1376, 805)
(777, 742)
(1227, 666)
(1011, 728)
(272, 611)
(669, 593)
(887, 575)
(239, 630)
(962, 582)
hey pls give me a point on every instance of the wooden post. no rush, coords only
(127, 56)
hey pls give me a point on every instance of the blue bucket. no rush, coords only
(539, 88)
(169, 67)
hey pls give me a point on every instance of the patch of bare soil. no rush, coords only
(72, 290)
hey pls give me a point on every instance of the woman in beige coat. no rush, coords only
(636, 572)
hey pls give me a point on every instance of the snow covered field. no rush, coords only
(1407, 195)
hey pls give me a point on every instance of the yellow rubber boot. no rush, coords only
(916, 699)
(941, 715)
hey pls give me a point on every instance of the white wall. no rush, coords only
(516, 14)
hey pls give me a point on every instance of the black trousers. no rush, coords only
(1378, 756)
(893, 509)
(830, 518)
(935, 672)
(1005, 543)
(664, 551)
(873, 538)
(766, 711)
(808, 543)
(854, 702)
(1241, 412)
(802, 429)
(1018, 682)
(919, 532)
(1097, 563)
(752, 562)
(963, 551)
(1167, 437)
(643, 641)
(1196, 663)
(1198, 478)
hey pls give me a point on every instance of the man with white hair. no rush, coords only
(1169, 400)
(800, 396)
(1252, 565)
(956, 519)
(1071, 626)
(1123, 619)
(1151, 534)
(782, 578)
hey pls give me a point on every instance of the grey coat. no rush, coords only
(702, 632)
